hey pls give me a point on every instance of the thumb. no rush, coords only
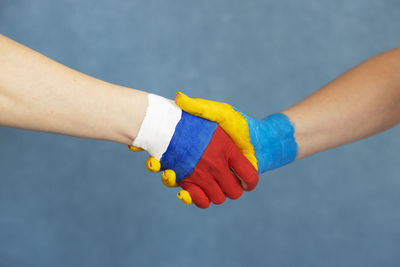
(207, 109)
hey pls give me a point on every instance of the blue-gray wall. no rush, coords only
(75, 202)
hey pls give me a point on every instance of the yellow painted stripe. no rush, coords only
(233, 123)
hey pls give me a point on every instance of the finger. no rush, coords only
(185, 197)
(196, 193)
(153, 164)
(229, 183)
(243, 168)
(135, 148)
(210, 187)
(207, 109)
(168, 178)
(231, 121)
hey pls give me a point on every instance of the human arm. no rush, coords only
(37, 93)
(359, 103)
(362, 102)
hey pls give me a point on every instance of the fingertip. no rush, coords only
(153, 164)
(185, 197)
(252, 181)
(179, 98)
(135, 148)
(236, 194)
(168, 178)
(179, 95)
(186, 103)
(196, 193)
(219, 200)
(244, 170)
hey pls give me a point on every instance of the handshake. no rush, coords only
(211, 149)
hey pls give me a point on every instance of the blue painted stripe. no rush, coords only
(191, 137)
(274, 141)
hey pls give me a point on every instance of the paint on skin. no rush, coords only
(273, 141)
(191, 137)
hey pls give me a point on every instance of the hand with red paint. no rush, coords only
(194, 153)
(365, 100)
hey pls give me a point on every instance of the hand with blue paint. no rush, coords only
(362, 102)
(268, 143)
(194, 153)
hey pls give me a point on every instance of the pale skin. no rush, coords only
(362, 102)
(37, 93)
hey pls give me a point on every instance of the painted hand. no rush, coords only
(194, 153)
(268, 143)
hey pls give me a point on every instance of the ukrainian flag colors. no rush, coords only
(268, 143)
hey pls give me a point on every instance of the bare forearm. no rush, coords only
(359, 103)
(37, 93)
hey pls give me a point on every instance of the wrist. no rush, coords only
(123, 114)
(309, 137)
(274, 141)
(158, 125)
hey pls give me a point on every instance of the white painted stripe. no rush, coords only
(158, 126)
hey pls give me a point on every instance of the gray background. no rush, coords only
(73, 202)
